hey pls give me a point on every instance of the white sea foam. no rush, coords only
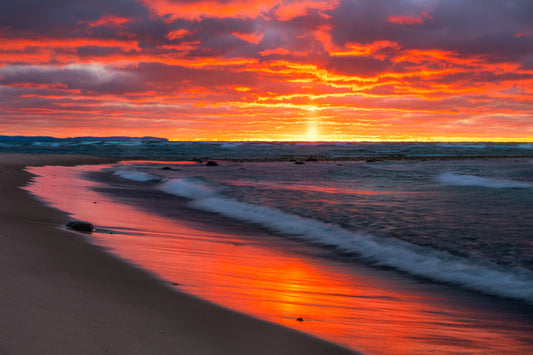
(135, 175)
(190, 188)
(416, 260)
(471, 180)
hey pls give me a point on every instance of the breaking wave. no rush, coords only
(134, 175)
(471, 180)
(414, 259)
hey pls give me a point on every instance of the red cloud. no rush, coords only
(110, 21)
(196, 9)
(408, 20)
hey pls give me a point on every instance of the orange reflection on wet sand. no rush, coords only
(376, 311)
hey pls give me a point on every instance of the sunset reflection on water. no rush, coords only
(370, 310)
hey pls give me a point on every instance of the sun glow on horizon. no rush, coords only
(314, 137)
(312, 132)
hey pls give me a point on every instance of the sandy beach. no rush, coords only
(61, 294)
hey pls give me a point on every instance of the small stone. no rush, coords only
(211, 163)
(166, 168)
(80, 226)
(300, 319)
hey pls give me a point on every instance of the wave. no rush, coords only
(458, 145)
(190, 188)
(134, 175)
(413, 259)
(471, 180)
(44, 144)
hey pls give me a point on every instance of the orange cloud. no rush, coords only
(356, 49)
(177, 34)
(282, 10)
(209, 8)
(254, 38)
(110, 21)
(21, 44)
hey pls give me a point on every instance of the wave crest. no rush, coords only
(411, 258)
(472, 180)
(134, 175)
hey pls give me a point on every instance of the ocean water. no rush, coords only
(441, 247)
(165, 150)
(465, 222)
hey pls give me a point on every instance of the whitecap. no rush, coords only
(472, 180)
(411, 258)
(134, 175)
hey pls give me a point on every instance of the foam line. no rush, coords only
(135, 175)
(411, 258)
(471, 180)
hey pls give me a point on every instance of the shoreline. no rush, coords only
(63, 294)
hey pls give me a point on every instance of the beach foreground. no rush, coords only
(61, 294)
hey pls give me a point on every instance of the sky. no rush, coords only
(282, 70)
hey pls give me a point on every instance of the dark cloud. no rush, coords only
(60, 17)
(176, 77)
(88, 79)
(480, 27)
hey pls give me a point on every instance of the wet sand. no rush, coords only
(61, 294)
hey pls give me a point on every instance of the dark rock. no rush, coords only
(372, 160)
(300, 319)
(211, 163)
(166, 168)
(299, 163)
(80, 226)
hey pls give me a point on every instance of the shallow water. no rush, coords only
(464, 222)
(271, 274)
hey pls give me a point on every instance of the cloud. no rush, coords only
(85, 78)
(473, 27)
(389, 66)
(52, 17)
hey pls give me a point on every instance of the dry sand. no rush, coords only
(62, 295)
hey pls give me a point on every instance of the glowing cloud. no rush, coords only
(268, 70)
